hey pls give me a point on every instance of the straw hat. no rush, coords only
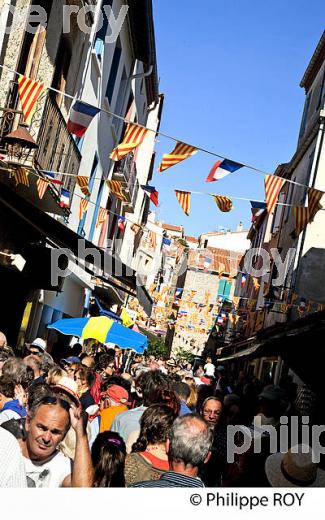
(294, 469)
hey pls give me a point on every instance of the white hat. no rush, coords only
(69, 387)
(294, 469)
(39, 343)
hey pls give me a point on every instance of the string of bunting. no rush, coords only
(85, 112)
(81, 115)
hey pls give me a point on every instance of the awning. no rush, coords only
(60, 236)
(49, 202)
(242, 353)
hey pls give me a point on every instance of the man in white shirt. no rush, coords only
(209, 368)
(47, 423)
(12, 470)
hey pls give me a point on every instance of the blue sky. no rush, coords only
(230, 71)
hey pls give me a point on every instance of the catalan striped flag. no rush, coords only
(314, 198)
(83, 183)
(29, 91)
(21, 176)
(133, 137)
(42, 185)
(153, 239)
(184, 198)
(83, 207)
(256, 283)
(224, 203)
(301, 214)
(116, 189)
(102, 215)
(273, 186)
(181, 152)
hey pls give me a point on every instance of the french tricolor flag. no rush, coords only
(221, 169)
(65, 198)
(81, 115)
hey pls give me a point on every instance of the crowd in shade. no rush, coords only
(111, 420)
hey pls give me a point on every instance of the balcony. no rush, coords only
(56, 150)
(125, 172)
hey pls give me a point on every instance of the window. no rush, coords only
(91, 185)
(114, 70)
(305, 115)
(102, 32)
(96, 210)
(224, 288)
(278, 213)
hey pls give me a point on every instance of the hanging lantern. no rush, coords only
(20, 145)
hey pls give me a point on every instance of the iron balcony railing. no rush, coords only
(57, 150)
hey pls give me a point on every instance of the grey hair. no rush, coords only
(190, 440)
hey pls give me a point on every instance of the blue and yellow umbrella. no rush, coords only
(102, 329)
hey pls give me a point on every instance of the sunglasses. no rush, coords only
(56, 401)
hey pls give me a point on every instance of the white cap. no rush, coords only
(39, 343)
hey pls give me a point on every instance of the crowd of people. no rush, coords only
(111, 420)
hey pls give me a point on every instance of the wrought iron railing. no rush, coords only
(57, 150)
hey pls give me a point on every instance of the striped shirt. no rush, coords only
(172, 479)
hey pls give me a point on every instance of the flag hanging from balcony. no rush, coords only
(21, 176)
(116, 189)
(29, 92)
(102, 215)
(181, 152)
(65, 198)
(83, 207)
(81, 115)
(224, 203)
(314, 198)
(51, 177)
(42, 185)
(273, 186)
(153, 239)
(221, 169)
(83, 183)
(121, 224)
(184, 199)
(152, 193)
(133, 137)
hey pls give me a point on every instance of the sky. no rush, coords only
(230, 72)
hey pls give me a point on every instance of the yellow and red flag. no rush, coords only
(181, 152)
(314, 198)
(83, 183)
(83, 207)
(301, 219)
(273, 186)
(116, 189)
(42, 185)
(133, 137)
(184, 198)
(224, 203)
(21, 176)
(29, 91)
(102, 215)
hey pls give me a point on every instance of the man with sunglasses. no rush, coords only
(47, 423)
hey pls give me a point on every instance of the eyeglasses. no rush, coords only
(56, 400)
(34, 352)
(211, 412)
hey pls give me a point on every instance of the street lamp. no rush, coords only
(20, 145)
